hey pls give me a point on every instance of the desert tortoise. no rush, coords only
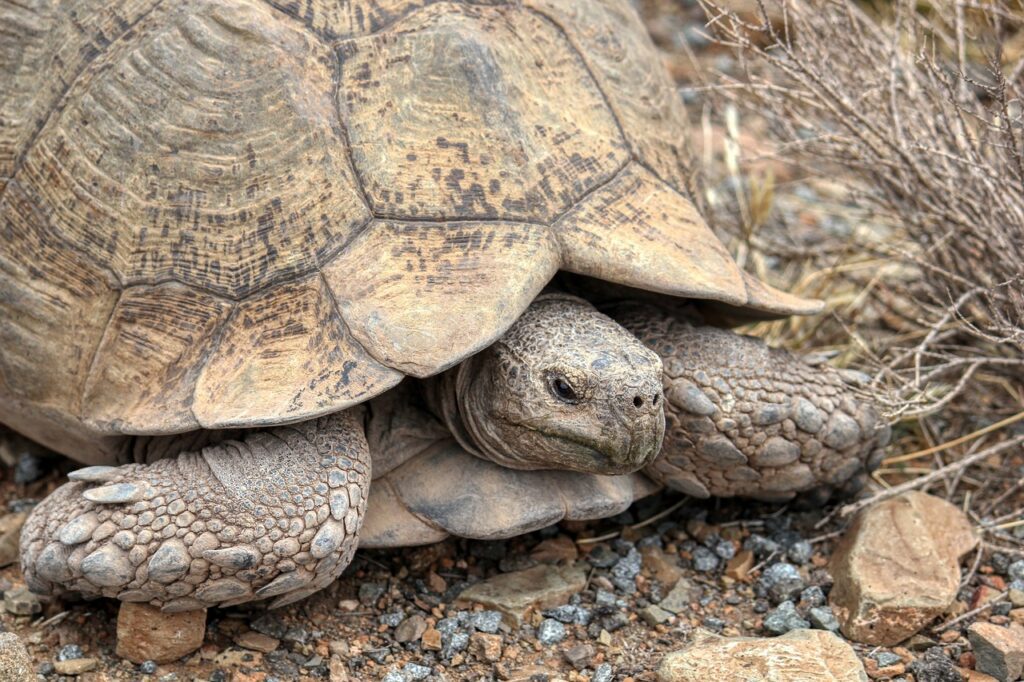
(234, 214)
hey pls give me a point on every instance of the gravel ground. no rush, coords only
(732, 567)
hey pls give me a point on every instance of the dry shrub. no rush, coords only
(920, 114)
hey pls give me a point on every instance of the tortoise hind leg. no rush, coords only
(273, 515)
(746, 419)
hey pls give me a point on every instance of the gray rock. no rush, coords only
(704, 560)
(454, 644)
(570, 614)
(655, 615)
(550, 632)
(394, 676)
(935, 666)
(392, 620)
(724, 549)
(415, 671)
(822, 618)
(800, 552)
(70, 652)
(781, 582)
(486, 621)
(783, 619)
(886, 658)
(761, 546)
(603, 673)
(812, 596)
(625, 571)
(1016, 570)
(371, 592)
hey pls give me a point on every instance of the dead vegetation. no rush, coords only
(908, 125)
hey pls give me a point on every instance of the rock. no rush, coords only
(603, 673)
(486, 621)
(550, 631)
(781, 582)
(999, 651)
(897, 567)
(369, 593)
(935, 666)
(579, 656)
(21, 602)
(257, 641)
(485, 647)
(800, 656)
(738, 567)
(75, 666)
(15, 663)
(515, 594)
(431, 640)
(569, 614)
(69, 652)
(704, 560)
(414, 671)
(678, 599)
(410, 629)
(144, 633)
(625, 571)
(822, 618)
(783, 619)
(655, 615)
(555, 550)
(661, 566)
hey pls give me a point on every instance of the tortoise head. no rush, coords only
(565, 388)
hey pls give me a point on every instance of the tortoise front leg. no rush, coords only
(746, 419)
(275, 514)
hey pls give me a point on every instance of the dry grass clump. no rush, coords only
(924, 115)
(913, 121)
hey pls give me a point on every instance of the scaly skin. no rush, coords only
(501, 404)
(275, 514)
(746, 419)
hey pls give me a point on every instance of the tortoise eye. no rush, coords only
(563, 390)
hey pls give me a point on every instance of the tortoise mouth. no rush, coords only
(609, 461)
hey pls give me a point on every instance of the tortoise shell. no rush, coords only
(225, 213)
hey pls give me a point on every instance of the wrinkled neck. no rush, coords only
(454, 399)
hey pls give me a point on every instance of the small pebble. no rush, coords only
(70, 652)
(486, 621)
(812, 596)
(783, 619)
(415, 671)
(1016, 570)
(822, 618)
(603, 673)
(800, 552)
(147, 667)
(886, 658)
(369, 593)
(550, 632)
(781, 582)
(704, 560)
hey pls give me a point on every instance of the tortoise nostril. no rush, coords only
(638, 401)
(655, 400)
